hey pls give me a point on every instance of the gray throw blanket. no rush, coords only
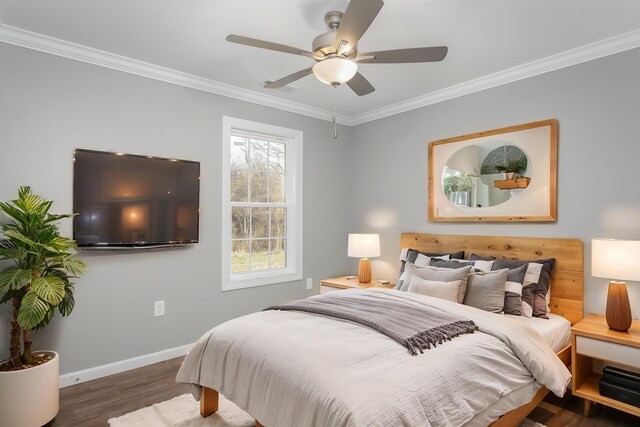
(415, 327)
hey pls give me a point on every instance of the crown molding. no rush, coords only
(589, 52)
(30, 40)
(58, 47)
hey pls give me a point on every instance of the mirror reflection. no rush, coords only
(486, 174)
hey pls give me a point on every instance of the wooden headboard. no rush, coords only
(567, 280)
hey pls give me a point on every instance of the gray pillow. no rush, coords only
(439, 275)
(480, 265)
(485, 290)
(513, 291)
(445, 290)
(536, 283)
(444, 263)
(410, 255)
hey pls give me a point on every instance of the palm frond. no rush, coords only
(68, 302)
(20, 237)
(49, 288)
(12, 278)
(32, 310)
(6, 297)
(75, 266)
(46, 319)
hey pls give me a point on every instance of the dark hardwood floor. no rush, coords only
(94, 402)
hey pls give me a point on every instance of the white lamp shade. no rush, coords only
(364, 245)
(615, 259)
(335, 70)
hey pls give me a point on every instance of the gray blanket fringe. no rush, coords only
(424, 340)
(415, 326)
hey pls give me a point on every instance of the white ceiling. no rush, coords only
(484, 37)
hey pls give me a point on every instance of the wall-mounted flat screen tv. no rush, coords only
(131, 201)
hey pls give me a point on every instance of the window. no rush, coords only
(262, 204)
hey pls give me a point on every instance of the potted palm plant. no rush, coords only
(36, 282)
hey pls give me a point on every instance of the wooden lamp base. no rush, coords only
(618, 308)
(364, 271)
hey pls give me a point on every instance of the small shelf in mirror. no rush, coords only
(510, 184)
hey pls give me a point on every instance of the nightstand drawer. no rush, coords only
(608, 351)
(325, 289)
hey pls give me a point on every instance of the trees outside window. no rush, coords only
(263, 199)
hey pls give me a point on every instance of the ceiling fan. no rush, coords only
(336, 52)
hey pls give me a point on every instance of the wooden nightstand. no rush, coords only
(337, 283)
(592, 340)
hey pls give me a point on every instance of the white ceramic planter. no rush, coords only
(31, 397)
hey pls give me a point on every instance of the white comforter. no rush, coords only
(297, 369)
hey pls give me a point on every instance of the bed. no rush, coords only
(292, 368)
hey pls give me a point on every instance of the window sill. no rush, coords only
(261, 279)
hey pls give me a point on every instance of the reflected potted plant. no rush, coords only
(458, 187)
(513, 169)
(36, 284)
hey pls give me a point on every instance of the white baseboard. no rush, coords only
(78, 377)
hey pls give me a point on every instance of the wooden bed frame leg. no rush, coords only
(208, 402)
(258, 424)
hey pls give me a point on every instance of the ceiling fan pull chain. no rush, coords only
(335, 108)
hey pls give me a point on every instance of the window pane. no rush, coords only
(239, 185)
(239, 223)
(260, 222)
(240, 256)
(239, 157)
(259, 186)
(278, 253)
(259, 254)
(259, 154)
(276, 188)
(277, 156)
(278, 222)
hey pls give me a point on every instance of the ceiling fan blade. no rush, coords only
(403, 56)
(233, 38)
(289, 79)
(355, 22)
(360, 85)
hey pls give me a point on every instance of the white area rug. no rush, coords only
(183, 411)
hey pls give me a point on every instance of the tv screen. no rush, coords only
(125, 200)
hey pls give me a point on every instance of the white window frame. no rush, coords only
(293, 188)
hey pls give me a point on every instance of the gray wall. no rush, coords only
(597, 105)
(49, 106)
(372, 180)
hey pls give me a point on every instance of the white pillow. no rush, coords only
(432, 288)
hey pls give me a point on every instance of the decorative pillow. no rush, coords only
(444, 263)
(445, 290)
(478, 264)
(421, 259)
(513, 291)
(440, 275)
(476, 257)
(536, 284)
(485, 290)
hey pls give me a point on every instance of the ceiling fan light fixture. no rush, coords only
(335, 70)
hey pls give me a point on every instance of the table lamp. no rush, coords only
(619, 260)
(364, 246)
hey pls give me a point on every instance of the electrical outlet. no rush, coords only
(158, 308)
(309, 283)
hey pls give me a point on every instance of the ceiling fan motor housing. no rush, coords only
(324, 44)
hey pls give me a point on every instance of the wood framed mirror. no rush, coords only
(500, 175)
